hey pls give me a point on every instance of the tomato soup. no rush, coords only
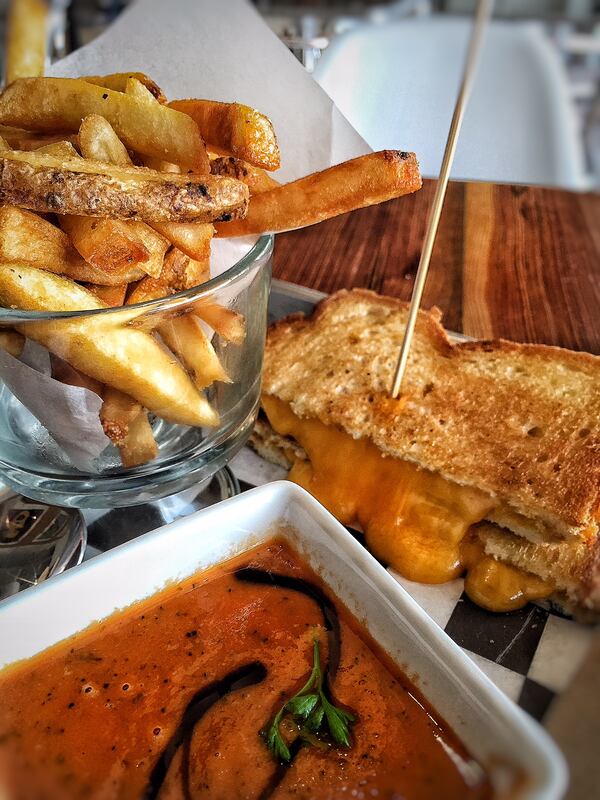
(249, 680)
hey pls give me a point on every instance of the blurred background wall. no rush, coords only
(393, 68)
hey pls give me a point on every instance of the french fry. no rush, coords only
(118, 82)
(97, 189)
(191, 238)
(354, 184)
(62, 149)
(110, 295)
(111, 246)
(179, 273)
(123, 419)
(139, 446)
(126, 424)
(25, 237)
(256, 179)
(117, 413)
(155, 244)
(226, 322)
(182, 334)
(62, 371)
(108, 245)
(105, 347)
(159, 165)
(136, 89)
(28, 239)
(26, 140)
(12, 342)
(51, 104)
(185, 337)
(99, 142)
(26, 40)
(236, 129)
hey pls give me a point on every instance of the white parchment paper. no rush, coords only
(214, 49)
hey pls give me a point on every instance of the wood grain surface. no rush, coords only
(512, 261)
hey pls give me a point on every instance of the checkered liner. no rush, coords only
(532, 654)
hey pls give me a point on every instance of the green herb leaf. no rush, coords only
(337, 722)
(302, 705)
(276, 743)
(308, 708)
(313, 723)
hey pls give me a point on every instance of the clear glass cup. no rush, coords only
(41, 465)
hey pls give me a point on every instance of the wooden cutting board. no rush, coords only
(521, 262)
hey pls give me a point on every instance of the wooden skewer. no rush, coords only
(482, 16)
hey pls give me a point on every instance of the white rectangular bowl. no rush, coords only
(493, 729)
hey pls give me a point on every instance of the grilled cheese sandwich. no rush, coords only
(382, 464)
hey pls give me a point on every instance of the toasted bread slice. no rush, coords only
(281, 450)
(572, 567)
(521, 422)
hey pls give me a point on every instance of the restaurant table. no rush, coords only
(518, 262)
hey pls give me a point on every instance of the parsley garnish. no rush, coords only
(309, 709)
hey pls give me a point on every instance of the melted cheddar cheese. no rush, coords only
(414, 520)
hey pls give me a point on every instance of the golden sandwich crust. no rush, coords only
(572, 567)
(519, 421)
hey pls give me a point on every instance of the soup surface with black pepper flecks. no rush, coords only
(249, 680)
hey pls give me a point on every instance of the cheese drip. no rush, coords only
(413, 519)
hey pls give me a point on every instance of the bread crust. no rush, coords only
(572, 567)
(520, 421)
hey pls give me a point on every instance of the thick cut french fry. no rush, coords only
(191, 238)
(118, 82)
(135, 88)
(62, 149)
(185, 337)
(62, 371)
(50, 104)
(122, 418)
(110, 295)
(235, 129)
(155, 244)
(126, 424)
(183, 334)
(139, 446)
(26, 140)
(159, 165)
(197, 272)
(255, 178)
(105, 346)
(99, 142)
(178, 274)
(12, 342)
(226, 322)
(26, 40)
(97, 189)
(28, 239)
(354, 184)
(111, 253)
(117, 413)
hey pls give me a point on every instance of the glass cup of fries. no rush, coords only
(193, 361)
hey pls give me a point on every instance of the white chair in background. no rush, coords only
(397, 84)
